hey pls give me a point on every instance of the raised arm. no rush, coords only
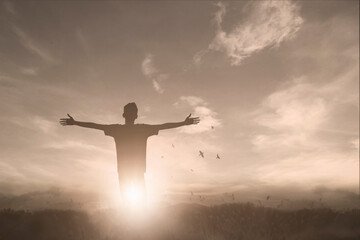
(188, 121)
(71, 121)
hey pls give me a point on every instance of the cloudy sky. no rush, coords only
(275, 83)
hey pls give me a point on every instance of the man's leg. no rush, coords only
(122, 184)
(132, 186)
(142, 185)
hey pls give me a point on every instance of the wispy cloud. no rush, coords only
(198, 57)
(301, 127)
(32, 46)
(267, 24)
(355, 143)
(295, 115)
(81, 37)
(29, 71)
(152, 73)
(68, 144)
(45, 125)
(208, 117)
(9, 7)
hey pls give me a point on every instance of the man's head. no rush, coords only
(130, 112)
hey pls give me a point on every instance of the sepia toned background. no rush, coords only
(275, 84)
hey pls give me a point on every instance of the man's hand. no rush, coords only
(67, 121)
(189, 120)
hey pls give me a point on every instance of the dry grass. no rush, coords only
(185, 222)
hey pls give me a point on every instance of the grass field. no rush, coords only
(183, 221)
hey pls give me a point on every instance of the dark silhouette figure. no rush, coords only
(217, 156)
(201, 154)
(130, 140)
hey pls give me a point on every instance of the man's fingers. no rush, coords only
(194, 120)
(69, 116)
(189, 115)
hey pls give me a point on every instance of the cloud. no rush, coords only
(309, 127)
(295, 116)
(45, 125)
(33, 47)
(197, 59)
(208, 117)
(9, 7)
(82, 39)
(68, 144)
(152, 73)
(355, 143)
(29, 71)
(292, 114)
(267, 24)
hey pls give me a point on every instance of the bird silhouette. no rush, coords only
(173, 145)
(201, 154)
(192, 170)
(212, 127)
(217, 156)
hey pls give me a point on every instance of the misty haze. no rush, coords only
(179, 120)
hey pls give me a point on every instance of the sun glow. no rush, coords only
(134, 197)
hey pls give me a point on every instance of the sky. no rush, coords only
(275, 84)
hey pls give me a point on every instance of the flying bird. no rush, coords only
(201, 154)
(192, 170)
(217, 156)
(212, 127)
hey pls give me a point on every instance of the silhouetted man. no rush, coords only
(130, 139)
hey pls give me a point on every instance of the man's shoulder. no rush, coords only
(144, 125)
(112, 127)
(148, 129)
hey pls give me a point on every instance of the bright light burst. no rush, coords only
(134, 196)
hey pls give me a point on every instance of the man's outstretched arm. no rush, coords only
(188, 121)
(71, 121)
